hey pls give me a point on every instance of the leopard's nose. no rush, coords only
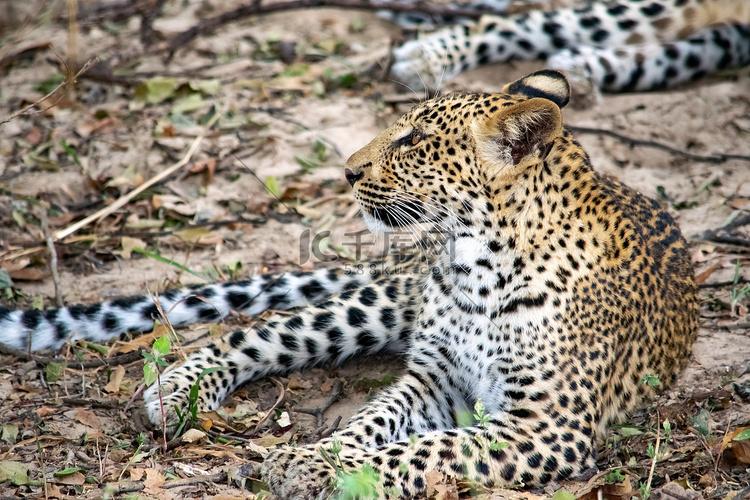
(351, 177)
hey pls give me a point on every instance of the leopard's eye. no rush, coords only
(411, 139)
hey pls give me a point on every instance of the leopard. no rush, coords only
(602, 46)
(545, 290)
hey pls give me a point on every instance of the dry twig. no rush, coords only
(275, 405)
(712, 158)
(122, 359)
(722, 235)
(147, 21)
(52, 256)
(64, 85)
(123, 200)
(319, 411)
(722, 284)
(211, 24)
(219, 477)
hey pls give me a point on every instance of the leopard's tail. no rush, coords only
(198, 304)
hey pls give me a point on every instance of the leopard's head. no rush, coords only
(451, 150)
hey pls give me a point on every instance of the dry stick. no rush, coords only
(318, 412)
(714, 234)
(209, 25)
(52, 257)
(329, 431)
(713, 158)
(147, 22)
(275, 405)
(65, 83)
(656, 452)
(219, 477)
(722, 284)
(123, 200)
(122, 359)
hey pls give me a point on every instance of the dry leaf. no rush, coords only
(173, 203)
(141, 341)
(53, 491)
(74, 479)
(673, 491)
(193, 436)
(702, 277)
(115, 380)
(295, 382)
(29, 274)
(310, 213)
(432, 479)
(199, 235)
(735, 452)
(153, 481)
(88, 418)
(6, 389)
(616, 491)
(129, 244)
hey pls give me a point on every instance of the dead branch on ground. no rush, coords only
(103, 70)
(123, 200)
(723, 235)
(711, 158)
(52, 256)
(320, 410)
(121, 359)
(60, 91)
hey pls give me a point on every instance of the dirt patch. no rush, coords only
(297, 123)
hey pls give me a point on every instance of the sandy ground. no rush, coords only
(121, 142)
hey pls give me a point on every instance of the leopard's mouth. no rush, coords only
(400, 215)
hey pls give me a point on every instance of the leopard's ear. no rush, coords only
(547, 84)
(519, 133)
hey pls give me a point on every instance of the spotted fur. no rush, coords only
(197, 304)
(561, 290)
(545, 290)
(617, 46)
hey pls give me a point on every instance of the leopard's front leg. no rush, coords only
(360, 321)
(420, 402)
(504, 452)
(410, 430)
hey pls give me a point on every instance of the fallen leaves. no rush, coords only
(735, 447)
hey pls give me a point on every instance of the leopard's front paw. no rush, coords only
(413, 66)
(175, 399)
(298, 474)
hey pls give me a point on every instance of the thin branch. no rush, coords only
(108, 404)
(122, 359)
(211, 24)
(320, 410)
(328, 431)
(219, 477)
(722, 284)
(275, 405)
(712, 158)
(52, 257)
(730, 240)
(147, 21)
(736, 326)
(123, 200)
(64, 85)
(722, 234)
